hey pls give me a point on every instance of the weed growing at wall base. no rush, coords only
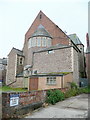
(77, 91)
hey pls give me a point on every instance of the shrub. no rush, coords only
(74, 92)
(73, 85)
(54, 96)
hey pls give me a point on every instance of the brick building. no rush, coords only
(48, 55)
(3, 68)
(88, 47)
(88, 58)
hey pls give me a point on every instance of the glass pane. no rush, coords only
(30, 43)
(34, 42)
(38, 41)
(43, 42)
(49, 42)
(47, 80)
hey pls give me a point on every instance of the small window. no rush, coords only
(20, 61)
(50, 51)
(51, 80)
(40, 16)
(80, 48)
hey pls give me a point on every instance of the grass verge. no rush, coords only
(7, 89)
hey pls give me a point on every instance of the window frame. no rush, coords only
(51, 80)
(20, 61)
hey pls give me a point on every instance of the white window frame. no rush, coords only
(20, 61)
(51, 80)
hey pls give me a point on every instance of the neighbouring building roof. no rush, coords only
(3, 61)
(75, 39)
(40, 31)
(88, 50)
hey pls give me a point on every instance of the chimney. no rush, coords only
(87, 39)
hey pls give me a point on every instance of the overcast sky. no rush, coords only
(16, 16)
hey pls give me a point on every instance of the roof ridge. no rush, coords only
(17, 49)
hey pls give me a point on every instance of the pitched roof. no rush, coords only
(41, 31)
(75, 39)
(47, 23)
(19, 52)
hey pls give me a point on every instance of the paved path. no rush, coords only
(74, 107)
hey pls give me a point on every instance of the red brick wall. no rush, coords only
(28, 101)
(88, 66)
(58, 35)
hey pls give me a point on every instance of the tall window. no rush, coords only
(30, 43)
(20, 61)
(38, 41)
(34, 42)
(40, 16)
(49, 42)
(44, 42)
(51, 80)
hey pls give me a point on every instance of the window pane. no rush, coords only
(51, 80)
(30, 43)
(34, 42)
(47, 80)
(43, 42)
(38, 41)
(20, 61)
(48, 41)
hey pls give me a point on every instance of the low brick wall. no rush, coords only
(28, 101)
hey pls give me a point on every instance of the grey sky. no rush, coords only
(16, 16)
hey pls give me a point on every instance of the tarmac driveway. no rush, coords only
(74, 107)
